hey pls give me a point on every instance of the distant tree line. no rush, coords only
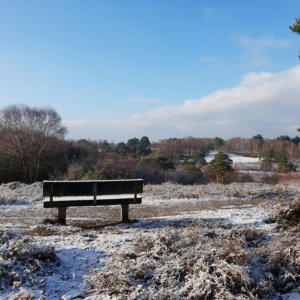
(257, 146)
(33, 148)
(178, 160)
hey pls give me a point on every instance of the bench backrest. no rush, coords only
(92, 187)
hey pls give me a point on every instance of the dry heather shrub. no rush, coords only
(248, 190)
(245, 178)
(233, 278)
(270, 179)
(16, 192)
(6, 201)
(289, 177)
(250, 237)
(23, 294)
(289, 215)
(282, 258)
(21, 260)
(232, 251)
(183, 263)
(185, 177)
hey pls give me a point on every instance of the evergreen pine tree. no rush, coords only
(296, 27)
(220, 166)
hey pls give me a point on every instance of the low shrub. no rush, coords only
(288, 215)
(231, 177)
(270, 179)
(22, 294)
(75, 172)
(282, 260)
(245, 178)
(151, 175)
(21, 261)
(185, 177)
(185, 263)
(17, 192)
(289, 177)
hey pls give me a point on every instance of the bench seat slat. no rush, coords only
(69, 203)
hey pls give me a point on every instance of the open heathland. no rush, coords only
(235, 241)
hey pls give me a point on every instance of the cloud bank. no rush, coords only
(265, 103)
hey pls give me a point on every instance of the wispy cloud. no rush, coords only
(266, 41)
(266, 103)
(207, 59)
(144, 100)
(257, 51)
(212, 12)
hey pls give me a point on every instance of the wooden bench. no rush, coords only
(98, 191)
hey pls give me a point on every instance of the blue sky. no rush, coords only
(117, 69)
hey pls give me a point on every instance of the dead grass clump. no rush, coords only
(270, 179)
(251, 237)
(282, 259)
(246, 178)
(289, 215)
(6, 201)
(109, 284)
(232, 251)
(289, 177)
(21, 261)
(22, 294)
(233, 278)
(24, 251)
(40, 231)
(16, 192)
(177, 263)
(49, 221)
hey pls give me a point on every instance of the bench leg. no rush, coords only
(124, 212)
(62, 212)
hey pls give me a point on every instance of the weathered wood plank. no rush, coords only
(125, 213)
(62, 213)
(86, 188)
(92, 189)
(69, 203)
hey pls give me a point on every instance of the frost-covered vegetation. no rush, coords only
(249, 190)
(202, 261)
(17, 192)
(22, 263)
(194, 262)
(214, 241)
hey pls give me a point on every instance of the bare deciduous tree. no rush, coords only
(29, 138)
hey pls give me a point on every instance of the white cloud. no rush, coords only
(257, 53)
(265, 103)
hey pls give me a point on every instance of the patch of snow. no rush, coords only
(235, 158)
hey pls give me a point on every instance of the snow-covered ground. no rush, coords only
(86, 252)
(235, 158)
